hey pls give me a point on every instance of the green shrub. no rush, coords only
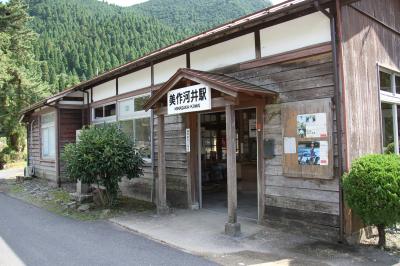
(372, 190)
(102, 156)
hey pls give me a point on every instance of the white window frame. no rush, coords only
(135, 114)
(392, 98)
(52, 148)
(103, 120)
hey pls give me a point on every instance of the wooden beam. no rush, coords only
(232, 227)
(162, 207)
(260, 160)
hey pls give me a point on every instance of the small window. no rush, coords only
(109, 110)
(104, 113)
(385, 81)
(390, 107)
(98, 112)
(48, 136)
(139, 103)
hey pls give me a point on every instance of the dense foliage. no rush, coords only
(194, 16)
(102, 156)
(372, 190)
(79, 39)
(20, 73)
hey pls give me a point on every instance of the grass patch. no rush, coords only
(57, 200)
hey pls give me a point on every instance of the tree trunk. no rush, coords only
(382, 235)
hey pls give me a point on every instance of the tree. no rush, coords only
(372, 190)
(20, 76)
(102, 156)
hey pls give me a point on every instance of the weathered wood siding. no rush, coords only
(303, 203)
(70, 121)
(176, 167)
(366, 43)
(43, 168)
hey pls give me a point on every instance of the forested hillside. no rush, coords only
(193, 16)
(80, 38)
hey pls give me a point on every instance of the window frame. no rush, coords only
(135, 115)
(47, 125)
(108, 119)
(392, 98)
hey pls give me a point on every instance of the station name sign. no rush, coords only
(189, 99)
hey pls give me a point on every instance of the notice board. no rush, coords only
(307, 139)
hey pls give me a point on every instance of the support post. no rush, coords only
(162, 207)
(260, 160)
(232, 227)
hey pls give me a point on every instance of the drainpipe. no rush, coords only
(30, 140)
(338, 111)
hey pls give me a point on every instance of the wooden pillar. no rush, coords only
(260, 161)
(193, 161)
(232, 227)
(162, 207)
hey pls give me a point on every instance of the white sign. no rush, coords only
(289, 145)
(324, 152)
(312, 125)
(188, 140)
(189, 99)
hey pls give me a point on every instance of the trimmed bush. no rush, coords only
(372, 190)
(102, 156)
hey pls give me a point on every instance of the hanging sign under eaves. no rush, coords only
(189, 99)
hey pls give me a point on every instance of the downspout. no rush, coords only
(338, 110)
(30, 141)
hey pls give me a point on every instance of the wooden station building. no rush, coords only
(257, 118)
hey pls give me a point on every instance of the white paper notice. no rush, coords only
(323, 152)
(289, 145)
(312, 125)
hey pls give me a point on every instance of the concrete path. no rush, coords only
(202, 232)
(32, 236)
(11, 173)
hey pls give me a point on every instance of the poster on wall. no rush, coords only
(313, 153)
(252, 128)
(312, 125)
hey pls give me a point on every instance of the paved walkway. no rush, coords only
(11, 173)
(202, 232)
(32, 236)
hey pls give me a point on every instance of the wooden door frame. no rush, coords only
(259, 107)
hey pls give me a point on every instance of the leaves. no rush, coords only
(372, 189)
(103, 156)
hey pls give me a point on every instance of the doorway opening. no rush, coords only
(213, 162)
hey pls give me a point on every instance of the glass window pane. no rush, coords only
(139, 102)
(98, 112)
(109, 110)
(127, 127)
(397, 80)
(385, 82)
(48, 118)
(126, 108)
(45, 143)
(387, 125)
(142, 135)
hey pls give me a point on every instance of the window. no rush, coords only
(48, 136)
(389, 85)
(135, 122)
(106, 113)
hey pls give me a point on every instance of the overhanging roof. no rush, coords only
(271, 14)
(228, 85)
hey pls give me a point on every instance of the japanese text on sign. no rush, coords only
(189, 99)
